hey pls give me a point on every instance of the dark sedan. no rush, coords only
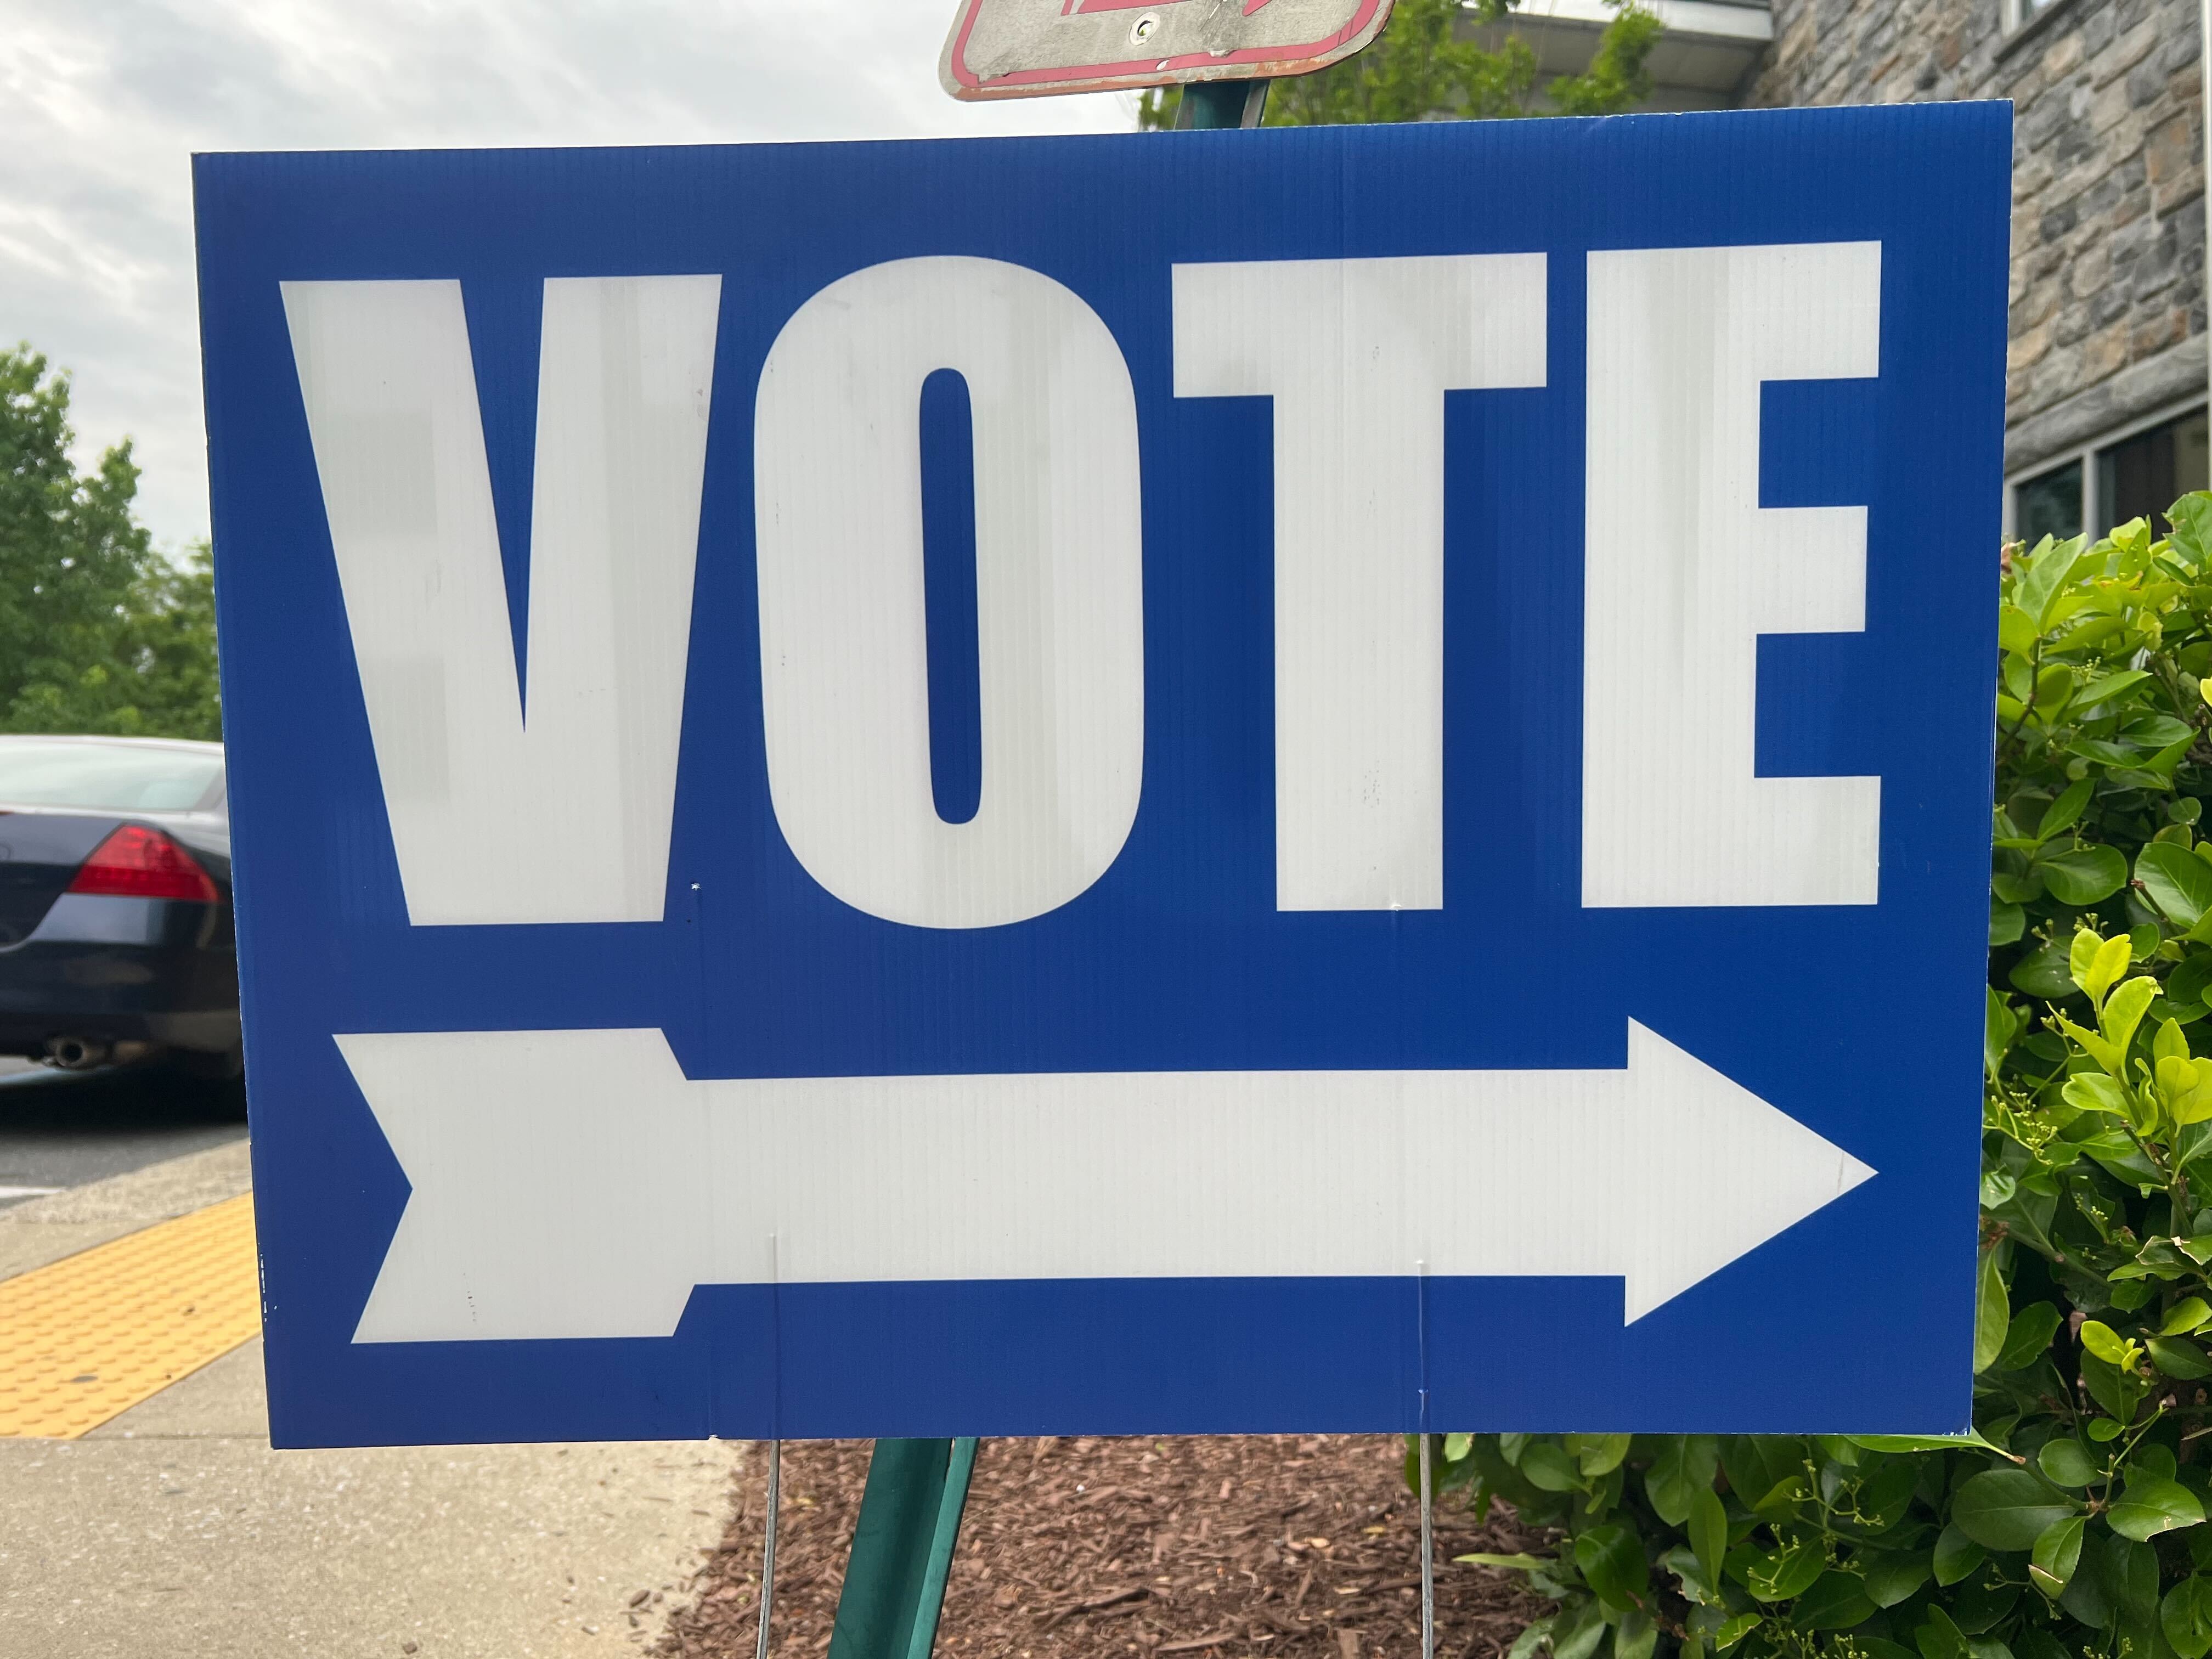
(115, 923)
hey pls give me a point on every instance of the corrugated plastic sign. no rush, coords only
(1304, 779)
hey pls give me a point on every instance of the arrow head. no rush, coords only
(1731, 1171)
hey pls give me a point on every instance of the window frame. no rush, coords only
(2016, 23)
(2086, 454)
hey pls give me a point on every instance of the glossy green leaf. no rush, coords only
(1685, 1465)
(2082, 953)
(1910, 1443)
(2124, 1009)
(1549, 1468)
(2085, 876)
(1696, 1588)
(2185, 1085)
(2189, 1099)
(1635, 1636)
(1736, 1629)
(2092, 1092)
(1784, 1572)
(2105, 688)
(2007, 1508)
(2152, 729)
(2032, 1327)
(1956, 1555)
(1579, 1630)
(2185, 1617)
(2191, 520)
(1893, 1577)
(1782, 1497)
(2130, 1574)
(1755, 1464)
(1610, 1559)
(2179, 1359)
(2067, 1463)
(1992, 1312)
(2102, 1340)
(2056, 1554)
(2065, 813)
(2179, 884)
(2186, 984)
(2102, 750)
(1940, 1637)
(2044, 578)
(2148, 1508)
(2000, 1025)
(1597, 1454)
(2043, 973)
(2188, 1315)
(1457, 1447)
(1837, 1601)
(1707, 1527)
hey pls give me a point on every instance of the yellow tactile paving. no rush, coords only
(92, 1335)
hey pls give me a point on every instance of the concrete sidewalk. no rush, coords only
(173, 1531)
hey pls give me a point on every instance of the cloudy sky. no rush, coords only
(102, 102)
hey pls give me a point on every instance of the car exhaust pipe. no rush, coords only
(76, 1053)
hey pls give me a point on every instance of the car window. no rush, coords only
(106, 777)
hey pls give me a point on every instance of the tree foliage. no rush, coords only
(2072, 1518)
(1422, 68)
(97, 631)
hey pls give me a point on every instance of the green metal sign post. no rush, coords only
(902, 1546)
(1216, 104)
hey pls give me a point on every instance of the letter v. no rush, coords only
(559, 812)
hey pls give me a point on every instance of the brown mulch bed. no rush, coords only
(1252, 1548)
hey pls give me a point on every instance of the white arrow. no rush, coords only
(576, 1184)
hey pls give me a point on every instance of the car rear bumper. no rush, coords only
(110, 970)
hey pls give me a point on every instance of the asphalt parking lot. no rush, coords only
(62, 1129)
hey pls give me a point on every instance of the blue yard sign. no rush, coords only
(1307, 780)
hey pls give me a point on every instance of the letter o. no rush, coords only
(1059, 587)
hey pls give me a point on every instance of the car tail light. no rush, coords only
(135, 862)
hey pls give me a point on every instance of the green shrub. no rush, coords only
(2071, 1519)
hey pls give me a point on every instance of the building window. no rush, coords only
(2146, 474)
(2049, 505)
(2137, 474)
(2019, 13)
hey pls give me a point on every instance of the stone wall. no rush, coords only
(2108, 182)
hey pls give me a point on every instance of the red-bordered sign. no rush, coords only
(1028, 48)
